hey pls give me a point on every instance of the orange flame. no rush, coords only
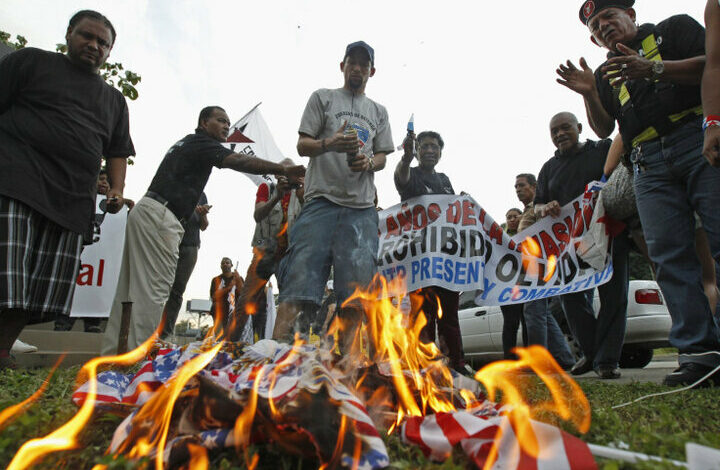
(532, 252)
(414, 365)
(568, 399)
(65, 437)
(158, 410)
(198, 457)
(11, 413)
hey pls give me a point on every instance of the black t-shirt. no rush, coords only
(421, 182)
(678, 37)
(563, 177)
(56, 122)
(192, 226)
(185, 170)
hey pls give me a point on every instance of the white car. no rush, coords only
(648, 326)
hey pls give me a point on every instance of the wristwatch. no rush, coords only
(658, 68)
(371, 164)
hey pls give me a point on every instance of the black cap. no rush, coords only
(591, 8)
(363, 45)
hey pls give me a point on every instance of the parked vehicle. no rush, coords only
(648, 326)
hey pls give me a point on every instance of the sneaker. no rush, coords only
(690, 372)
(607, 372)
(20, 347)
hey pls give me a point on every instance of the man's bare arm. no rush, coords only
(257, 166)
(116, 169)
(711, 82)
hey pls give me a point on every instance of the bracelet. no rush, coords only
(324, 147)
(711, 120)
(371, 164)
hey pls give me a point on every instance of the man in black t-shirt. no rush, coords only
(417, 181)
(154, 227)
(650, 85)
(562, 179)
(58, 118)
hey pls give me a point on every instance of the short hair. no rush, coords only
(514, 209)
(206, 112)
(529, 177)
(93, 15)
(431, 135)
(226, 258)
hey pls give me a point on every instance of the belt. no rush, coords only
(157, 197)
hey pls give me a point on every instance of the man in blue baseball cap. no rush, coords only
(347, 137)
(650, 85)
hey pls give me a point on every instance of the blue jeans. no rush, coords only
(543, 330)
(324, 235)
(673, 180)
(601, 339)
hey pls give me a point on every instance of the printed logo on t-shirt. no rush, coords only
(363, 133)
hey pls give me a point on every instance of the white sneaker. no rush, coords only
(20, 347)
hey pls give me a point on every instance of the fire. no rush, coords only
(198, 457)
(532, 252)
(11, 413)
(568, 399)
(65, 437)
(414, 366)
(158, 410)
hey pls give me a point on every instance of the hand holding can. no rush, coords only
(351, 132)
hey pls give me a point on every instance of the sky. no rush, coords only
(482, 74)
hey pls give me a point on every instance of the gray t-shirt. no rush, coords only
(328, 174)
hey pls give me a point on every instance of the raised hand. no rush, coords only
(580, 80)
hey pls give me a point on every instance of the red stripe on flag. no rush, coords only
(412, 433)
(451, 428)
(578, 453)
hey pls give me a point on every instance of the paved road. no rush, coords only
(654, 372)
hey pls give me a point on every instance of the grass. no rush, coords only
(659, 426)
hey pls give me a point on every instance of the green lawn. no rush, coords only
(659, 426)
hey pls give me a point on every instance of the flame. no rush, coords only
(198, 457)
(415, 366)
(532, 253)
(158, 410)
(11, 413)
(283, 230)
(568, 400)
(65, 437)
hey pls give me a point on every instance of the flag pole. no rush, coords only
(248, 113)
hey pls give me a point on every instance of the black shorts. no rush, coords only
(39, 262)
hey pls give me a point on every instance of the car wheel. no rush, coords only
(635, 358)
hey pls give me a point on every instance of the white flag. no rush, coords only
(251, 135)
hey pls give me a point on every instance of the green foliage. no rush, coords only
(19, 42)
(115, 75)
(659, 426)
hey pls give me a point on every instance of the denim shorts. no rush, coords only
(324, 235)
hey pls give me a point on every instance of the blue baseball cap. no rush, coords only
(363, 45)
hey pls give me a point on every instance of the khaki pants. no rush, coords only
(152, 242)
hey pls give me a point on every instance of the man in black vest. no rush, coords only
(650, 84)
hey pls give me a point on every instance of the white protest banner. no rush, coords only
(251, 135)
(450, 241)
(100, 265)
